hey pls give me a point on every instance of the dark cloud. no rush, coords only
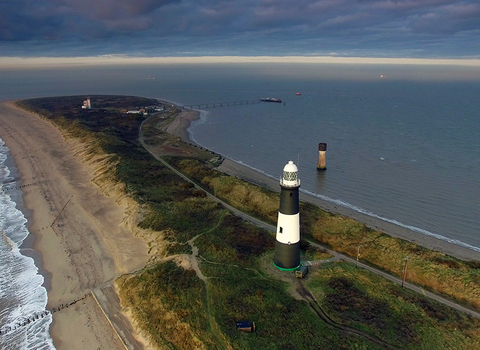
(110, 10)
(449, 19)
(248, 27)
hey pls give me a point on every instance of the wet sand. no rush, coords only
(179, 126)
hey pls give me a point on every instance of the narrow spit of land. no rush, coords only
(235, 259)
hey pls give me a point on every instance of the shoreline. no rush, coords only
(88, 246)
(27, 248)
(233, 168)
(180, 125)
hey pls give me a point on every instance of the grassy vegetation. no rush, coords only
(161, 302)
(179, 310)
(237, 289)
(313, 253)
(400, 316)
(247, 197)
(434, 270)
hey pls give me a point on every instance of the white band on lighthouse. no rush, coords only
(288, 229)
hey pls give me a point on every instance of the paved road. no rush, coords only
(336, 255)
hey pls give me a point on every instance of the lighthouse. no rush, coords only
(287, 248)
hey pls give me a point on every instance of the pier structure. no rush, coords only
(221, 104)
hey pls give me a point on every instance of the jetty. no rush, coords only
(222, 104)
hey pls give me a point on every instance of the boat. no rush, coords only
(298, 94)
(271, 99)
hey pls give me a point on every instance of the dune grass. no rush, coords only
(169, 303)
(237, 288)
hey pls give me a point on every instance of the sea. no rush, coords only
(24, 321)
(403, 145)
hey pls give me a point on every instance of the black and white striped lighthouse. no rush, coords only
(287, 248)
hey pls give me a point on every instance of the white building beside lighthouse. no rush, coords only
(287, 248)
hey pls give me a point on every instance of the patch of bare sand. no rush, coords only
(88, 314)
(179, 126)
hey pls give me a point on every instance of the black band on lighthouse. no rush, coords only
(289, 201)
(287, 256)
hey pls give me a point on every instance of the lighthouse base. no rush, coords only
(287, 256)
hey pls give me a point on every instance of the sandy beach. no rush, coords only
(179, 126)
(78, 230)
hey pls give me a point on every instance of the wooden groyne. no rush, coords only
(7, 188)
(39, 315)
(61, 210)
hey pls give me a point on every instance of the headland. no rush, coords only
(85, 226)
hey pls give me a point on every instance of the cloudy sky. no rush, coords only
(148, 28)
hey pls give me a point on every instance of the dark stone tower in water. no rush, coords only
(322, 155)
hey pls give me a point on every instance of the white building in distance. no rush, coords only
(87, 104)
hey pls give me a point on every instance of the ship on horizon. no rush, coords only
(271, 99)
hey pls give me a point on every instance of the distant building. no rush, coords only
(87, 104)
